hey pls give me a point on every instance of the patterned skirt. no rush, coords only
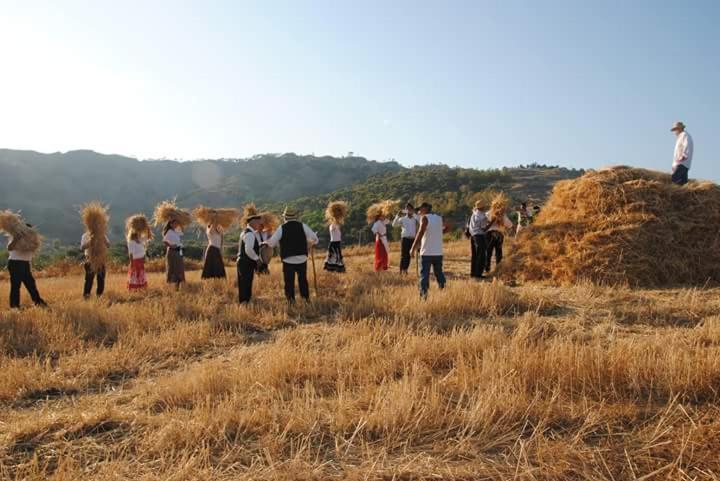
(214, 267)
(136, 275)
(334, 260)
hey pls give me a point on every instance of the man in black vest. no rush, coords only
(248, 258)
(294, 237)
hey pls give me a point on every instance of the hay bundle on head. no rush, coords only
(623, 226)
(498, 206)
(336, 212)
(249, 210)
(96, 218)
(223, 218)
(138, 226)
(26, 238)
(384, 208)
(270, 221)
(167, 211)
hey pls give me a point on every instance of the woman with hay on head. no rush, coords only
(498, 225)
(94, 243)
(138, 234)
(23, 242)
(175, 221)
(217, 221)
(377, 213)
(335, 216)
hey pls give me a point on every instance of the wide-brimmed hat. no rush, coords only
(678, 126)
(290, 214)
(479, 204)
(253, 217)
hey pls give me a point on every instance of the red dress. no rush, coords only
(381, 255)
(136, 275)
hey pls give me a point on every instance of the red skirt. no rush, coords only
(136, 275)
(381, 256)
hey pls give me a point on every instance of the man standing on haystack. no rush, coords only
(409, 225)
(294, 237)
(682, 158)
(429, 241)
(248, 257)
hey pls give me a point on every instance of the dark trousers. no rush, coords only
(246, 274)
(680, 176)
(494, 244)
(20, 274)
(90, 278)
(289, 271)
(436, 263)
(478, 252)
(405, 247)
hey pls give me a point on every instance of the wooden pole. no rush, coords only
(312, 256)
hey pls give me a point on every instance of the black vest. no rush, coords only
(242, 254)
(293, 241)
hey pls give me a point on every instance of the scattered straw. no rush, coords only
(96, 218)
(223, 218)
(167, 211)
(26, 238)
(336, 212)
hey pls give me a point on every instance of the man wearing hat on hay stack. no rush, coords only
(23, 242)
(335, 215)
(409, 224)
(682, 157)
(293, 237)
(248, 254)
(429, 241)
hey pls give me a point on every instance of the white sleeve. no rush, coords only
(274, 240)
(250, 240)
(310, 235)
(374, 228)
(397, 221)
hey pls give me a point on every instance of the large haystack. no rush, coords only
(623, 226)
(95, 217)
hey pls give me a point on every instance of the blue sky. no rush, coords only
(472, 83)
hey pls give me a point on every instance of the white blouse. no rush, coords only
(379, 228)
(173, 238)
(136, 249)
(214, 237)
(335, 234)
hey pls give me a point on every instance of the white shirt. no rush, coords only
(250, 238)
(85, 240)
(335, 234)
(136, 249)
(16, 255)
(497, 226)
(408, 224)
(311, 237)
(214, 237)
(380, 229)
(478, 222)
(432, 241)
(173, 238)
(683, 148)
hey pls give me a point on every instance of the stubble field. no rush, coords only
(482, 381)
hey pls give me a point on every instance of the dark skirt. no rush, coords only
(214, 267)
(174, 266)
(334, 261)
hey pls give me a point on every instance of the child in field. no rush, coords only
(174, 263)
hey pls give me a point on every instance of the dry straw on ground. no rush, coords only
(167, 211)
(138, 224)
(223, 218)
(623, 226)
(95, 217)
(386, 208)
(270, 221)
(26, 238)
(336, 212)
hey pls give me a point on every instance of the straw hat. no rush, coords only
(290, 214)
(479, 204)
(678, 126)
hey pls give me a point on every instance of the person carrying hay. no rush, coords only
(376, 214)
(216, 222)
(174, 262)
(683, 154)
(477, 232)
(248, 255)
(94, 243)
(138, 234)
(294, 237)
(409, 225)
(23, 242)
(498, 225)
(429, 243)
(335, 216)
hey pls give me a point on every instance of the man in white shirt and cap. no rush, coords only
(409, 224)
(248, 258)
(293, 237)
(682, 157)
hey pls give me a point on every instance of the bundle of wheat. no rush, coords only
(336, 212)
(223, 218)
(249, 210)
(498, 206)
(138, 225)
(385, 208)
(270, 221)
(26, 238)
(167, 211)
(96, 218)
(623, 226)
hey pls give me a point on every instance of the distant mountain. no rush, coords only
(50, 188)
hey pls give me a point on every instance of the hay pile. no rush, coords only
(623, 226)
(167, 211)
(386, 208)
(336, 212)
(96, 218)
(138, 225)
(26, 238)
(223, 218)
(249, 210)
(270, 222)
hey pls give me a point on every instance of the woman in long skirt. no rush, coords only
(174, 263)
(334, 261)
(214, 267)
(136, 272)
(381, 244)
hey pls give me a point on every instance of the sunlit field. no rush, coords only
(482, 381)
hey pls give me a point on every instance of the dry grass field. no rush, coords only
(482, 381)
